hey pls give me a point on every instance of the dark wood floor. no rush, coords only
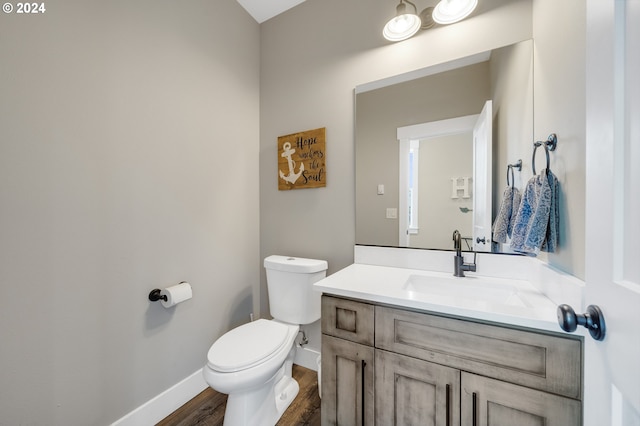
(207, 408)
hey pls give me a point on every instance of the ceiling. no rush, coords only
(263, 10)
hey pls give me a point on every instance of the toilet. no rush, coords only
(252, 363)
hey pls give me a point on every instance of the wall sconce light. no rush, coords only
(451, 11)
(406, 23)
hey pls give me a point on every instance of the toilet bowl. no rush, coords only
(252, 363)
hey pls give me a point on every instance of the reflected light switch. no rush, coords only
(380, 189)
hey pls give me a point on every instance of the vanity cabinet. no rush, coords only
(436, 370)
(347, 362)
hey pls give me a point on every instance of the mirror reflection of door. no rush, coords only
(482, 144)
(436, 185)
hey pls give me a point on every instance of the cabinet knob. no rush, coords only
(593, 320)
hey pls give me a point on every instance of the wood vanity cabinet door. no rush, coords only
(499, 403)
(410, 391)
(346, 367)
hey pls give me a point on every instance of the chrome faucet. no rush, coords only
(459, 267)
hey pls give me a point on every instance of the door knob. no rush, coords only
(593, 320)
(482, 240)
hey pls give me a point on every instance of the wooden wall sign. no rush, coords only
(301, 160)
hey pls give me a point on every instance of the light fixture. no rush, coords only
(404, 24)
(450, 11)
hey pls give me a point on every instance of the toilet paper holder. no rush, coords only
(155, 295)
(173, 295)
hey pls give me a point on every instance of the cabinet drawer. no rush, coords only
(549, 363)
(348, 319)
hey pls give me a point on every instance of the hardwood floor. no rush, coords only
(207, 408)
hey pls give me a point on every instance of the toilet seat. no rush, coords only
(246, 346)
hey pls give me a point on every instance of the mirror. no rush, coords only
(413, 191)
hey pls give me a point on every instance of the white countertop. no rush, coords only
(500, 300)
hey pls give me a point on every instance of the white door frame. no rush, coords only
(433, 129)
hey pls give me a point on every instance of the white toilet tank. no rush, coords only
(292, 298)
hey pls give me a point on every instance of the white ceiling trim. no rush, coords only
(263, 10)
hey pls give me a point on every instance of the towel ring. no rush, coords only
(510, 168)
(549, 145)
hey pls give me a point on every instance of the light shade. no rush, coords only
(450, 11)
(403, 25)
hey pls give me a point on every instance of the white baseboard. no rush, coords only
(307, 358)
(159, 407)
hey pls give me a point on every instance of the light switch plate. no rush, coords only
(392, 213)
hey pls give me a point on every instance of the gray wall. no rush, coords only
(560, 98)
(131, 138)
(513, 103)
(312, 58)
(128, 161)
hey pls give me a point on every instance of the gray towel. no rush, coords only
(536, 224)
(503, 225)
(550, 242)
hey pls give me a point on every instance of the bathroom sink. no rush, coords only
(477, 289)
(512, 301)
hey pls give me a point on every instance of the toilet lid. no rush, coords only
(247, 345)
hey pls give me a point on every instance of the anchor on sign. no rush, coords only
(292, 177)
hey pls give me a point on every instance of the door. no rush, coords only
(612, 274)
(411, 391)
(347, 383)
(482, 152)
(489, 402)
